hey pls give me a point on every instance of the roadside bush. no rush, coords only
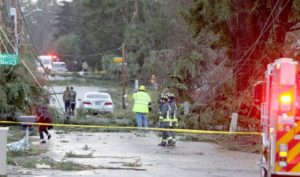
(57, 117)
(81, 113)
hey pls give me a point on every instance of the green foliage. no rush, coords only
(209, 15)
(72, 154)
(295, 12)
(16, 93)
(144, 26)
(68, 44)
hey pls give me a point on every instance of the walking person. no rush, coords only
(43, 116)
(142, 102)
(73, 100)
(173, 117)
(67, 100)
(165, 121)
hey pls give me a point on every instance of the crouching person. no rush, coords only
(165, 121)
(43, 116)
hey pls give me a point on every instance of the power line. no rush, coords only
(91, 55)
(36, 53)
(266, 26)
(254, 44)
(6, 50)
(26, 66)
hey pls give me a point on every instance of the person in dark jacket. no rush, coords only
(67, 100)
(165, 121)
(173, 117)
(43, 116)
(73, 100)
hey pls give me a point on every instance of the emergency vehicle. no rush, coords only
(279, 99)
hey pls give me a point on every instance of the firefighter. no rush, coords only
(142, 102)
(173, 117)
(165, 121)
(163, 93)
(160, 103)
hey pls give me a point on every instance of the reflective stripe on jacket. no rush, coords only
(141, 102)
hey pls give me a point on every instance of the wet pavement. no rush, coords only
(137, 154)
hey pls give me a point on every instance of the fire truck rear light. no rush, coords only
(282, 154)
(283, 147)
(283, 150)
(282, 163)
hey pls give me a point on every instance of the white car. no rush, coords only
(59, 67)
(97, 102)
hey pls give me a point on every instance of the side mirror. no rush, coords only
(259, 92)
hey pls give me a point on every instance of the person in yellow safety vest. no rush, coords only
(173, 117)
(142, 102)
(165, 121)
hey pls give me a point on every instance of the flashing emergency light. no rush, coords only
(53, 57)
(278, 66)
(286, 99)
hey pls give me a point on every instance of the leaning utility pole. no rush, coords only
(13, 12)
(123, 76)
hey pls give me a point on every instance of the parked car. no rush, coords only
(97, 102)
(59, 67)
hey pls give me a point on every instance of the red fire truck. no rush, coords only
(279, 99)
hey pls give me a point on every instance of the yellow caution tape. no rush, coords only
(135, 128)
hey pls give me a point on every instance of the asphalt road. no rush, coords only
(137, 155)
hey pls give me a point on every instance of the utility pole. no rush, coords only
(123, 76)
(13, 12)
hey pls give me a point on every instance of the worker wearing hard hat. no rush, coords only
(165, 122)
(142, 102)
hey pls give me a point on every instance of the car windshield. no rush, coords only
(97, 96)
